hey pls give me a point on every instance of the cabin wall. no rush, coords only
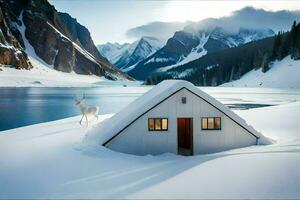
(136, 139)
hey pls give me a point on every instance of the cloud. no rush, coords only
(249, 17)
(163, 30)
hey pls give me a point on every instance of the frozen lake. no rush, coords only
(25, 106)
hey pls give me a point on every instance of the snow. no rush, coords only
(282, 74)
(195, 53)
(155, 59)
(48, 160)
(113, 52)
(35, 60)
(141, 49)
(105, 131)
(44, 75)
(185, 73)
(84, 52)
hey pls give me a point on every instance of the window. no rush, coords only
(204, 123)
(211, 123)
(164, 124)
(151, 124)
(183, 100)
(158, 124)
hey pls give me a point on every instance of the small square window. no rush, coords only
(211, 123)
(183, 100)
(158, 124)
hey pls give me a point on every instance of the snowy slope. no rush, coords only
(43, 75)
(195, 53)
(230, 40)
(191, 44)
(113, 51)
(51, 158)
(282, 74)
(126, 56)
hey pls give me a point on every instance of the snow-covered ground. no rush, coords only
(282, 74)
(42, 76)
(48, 160)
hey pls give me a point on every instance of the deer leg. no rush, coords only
(81, 119)
(87, 121)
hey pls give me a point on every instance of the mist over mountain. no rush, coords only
(250, 18)
(162, 30)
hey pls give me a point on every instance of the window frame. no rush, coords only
(161, 124)
(209, 129)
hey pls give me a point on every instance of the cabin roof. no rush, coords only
(111, 127)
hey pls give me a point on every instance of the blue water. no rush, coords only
(25, 106)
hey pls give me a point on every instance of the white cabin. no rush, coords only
(176, 117)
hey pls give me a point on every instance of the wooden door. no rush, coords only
(185, 136)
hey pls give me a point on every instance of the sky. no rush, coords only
(109, 20)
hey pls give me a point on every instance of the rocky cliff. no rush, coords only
(11, 51)
(57, 38)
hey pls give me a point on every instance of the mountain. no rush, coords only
(190, 44)
(214, 34)
(33, 28)
(221, 66)
(126, 56)
(269, 62)
(112, 51)
(11, 50)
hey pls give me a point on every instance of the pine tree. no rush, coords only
(285, 47)
(265, 63)
(276, 46)
(293, 38)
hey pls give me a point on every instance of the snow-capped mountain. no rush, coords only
(190, 44)
(243, 36)
(36, 29)
(113, 51)
(126, 56)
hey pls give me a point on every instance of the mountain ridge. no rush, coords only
(57, 38)
(185, 47)
(127, 55)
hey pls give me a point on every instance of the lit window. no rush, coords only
(211, 123)
(164, 124)
(217, 123)
(204, 123)
(158, 124)
(151, 124)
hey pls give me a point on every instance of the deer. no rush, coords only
(86, 111)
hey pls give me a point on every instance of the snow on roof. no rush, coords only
(112, 126)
